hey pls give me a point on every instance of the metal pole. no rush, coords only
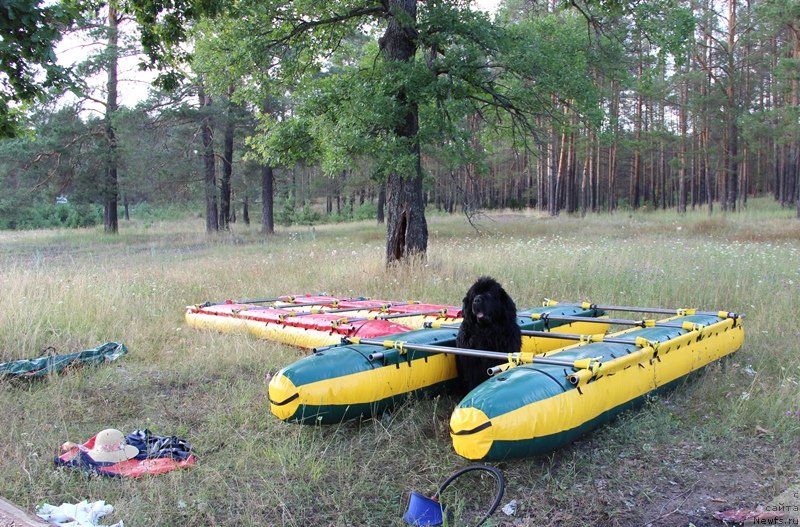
(464, 352)
(307, 304)
(284, 298)
(564, 336)
(349, 309)
(581, 338)
(390, 316)
(660, 310)
(615, 321)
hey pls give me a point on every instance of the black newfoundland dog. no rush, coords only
(490, 323)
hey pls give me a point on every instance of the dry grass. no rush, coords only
(682, 453)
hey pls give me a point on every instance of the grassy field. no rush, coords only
(729, 438)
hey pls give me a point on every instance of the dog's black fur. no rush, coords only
(490, 323)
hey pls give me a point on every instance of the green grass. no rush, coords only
(662, 464)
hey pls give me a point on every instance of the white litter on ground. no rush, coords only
(83, 514)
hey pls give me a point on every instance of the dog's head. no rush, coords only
(488, 303)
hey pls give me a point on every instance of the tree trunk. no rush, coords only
(732, 175)
(612, 151)
(561, 176)
(682, 125)
(227, 166)
(406, 227)
(381, 204)
(267, 200)
(794, 161)
(636, 167)
(586, 176)
(207, 133)
(246, 210)
(552, 172)
(706, 132)
(111, 186)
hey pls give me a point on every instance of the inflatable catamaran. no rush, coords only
(570, 376)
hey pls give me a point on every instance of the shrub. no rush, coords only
(48, 215)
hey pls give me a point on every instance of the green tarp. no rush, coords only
(47, 364)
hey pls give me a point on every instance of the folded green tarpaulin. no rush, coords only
(55, 363)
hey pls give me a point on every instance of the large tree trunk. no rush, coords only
(111, 186)
(227, 167)
(406, 228)
(207, 133)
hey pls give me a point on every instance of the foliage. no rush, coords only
(502, 102)
(49, 215)
(29, 31)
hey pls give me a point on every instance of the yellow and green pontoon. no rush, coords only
(359, 378)
(536, 404)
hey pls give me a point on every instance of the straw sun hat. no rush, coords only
(109, 447)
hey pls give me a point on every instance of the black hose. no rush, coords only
(501, 486)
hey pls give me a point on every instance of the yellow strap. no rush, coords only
(642, 342)
(723, 314)
(691, 326)
(525, 357)
(354, 340)
(548, 302)
(399, 345)
(649, 323)
(586, 305)
(435, 324)
(335, 304)
(443, 312)
(582, 364)
(591, 363)
(536, 316)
